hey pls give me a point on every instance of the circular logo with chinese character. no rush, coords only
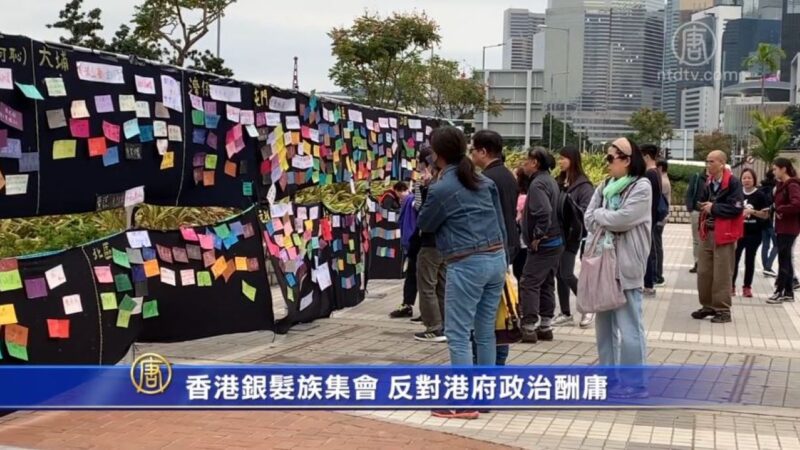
(151, 374)
(694, 44)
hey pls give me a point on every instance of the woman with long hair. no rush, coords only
(620, 209)
(787, 226)
(576, 184)
(756, 211)
(523, 183)
(463, 211)
(769, 246)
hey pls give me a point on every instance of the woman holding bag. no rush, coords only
(619, 216)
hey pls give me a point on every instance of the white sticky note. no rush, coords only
(16, 184)
(225, 93)
(306, 301)
(6, 79)
(168, 276)
(72, 304)
(134, 196)
(55, 277)
(55, 87)
(187, 277)
(145, 85)
(171, 93)
(139, 239)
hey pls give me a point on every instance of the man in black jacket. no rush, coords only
(650, 153)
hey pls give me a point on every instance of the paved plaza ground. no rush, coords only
(762, 346)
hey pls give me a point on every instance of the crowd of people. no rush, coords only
(470, 220)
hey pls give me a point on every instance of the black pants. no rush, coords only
(537, 285)
(658, 243)
(652, 263)
(567, 281)
(785, 267)
(749, 246)
(410, 282)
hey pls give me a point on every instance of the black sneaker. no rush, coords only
(544, 334)
(775, 298)
(788, 298)
(430, 336)
(661, 282)
(529, 336)
(402, 311)
(417, 319)
(693, 269)
(796, 284)
(702, 313)
(722, 317)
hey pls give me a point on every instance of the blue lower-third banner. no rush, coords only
(153, 383)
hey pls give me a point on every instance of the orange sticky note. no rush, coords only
(295, 138)
(230, 269)
(230, 169)
(151, 268)
(168, 161)
(8, 314)
(58, 328)
(208, 178)
(97, 146)
(241, 263)
(17, 334)
(219, 267)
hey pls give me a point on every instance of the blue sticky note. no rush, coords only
(146, 133)
(148, 254)
(349, 124)
(212, 120)
(199, 136)
(315, 243)
(270, 229)
(137, 272)
(111, 157)
(290, 279)
(131, 128)
(290, 178)
(30, 91)
(29, 162)
(12, 150)
(230, 241)
(237, 228)
(218, 242)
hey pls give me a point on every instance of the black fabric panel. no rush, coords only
(351, 229)
(382, 267)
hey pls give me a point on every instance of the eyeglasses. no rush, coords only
(610, 158)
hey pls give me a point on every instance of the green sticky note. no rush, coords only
(297, 241)
(10, 281)
(64, 149)
(17, 351)
(150, 309)
(211, 162)
(109, 300)
(198, 117)
(352, 246)
(123, 318)
(248, 291)
(247, 188)
(123, 282)
(222, 231)
(120, 258)
(127, 304)
(290, 294)
(203, 278)
(32, 93)
(360, 268)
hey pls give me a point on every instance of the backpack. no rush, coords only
(663, 209)
(570, 217)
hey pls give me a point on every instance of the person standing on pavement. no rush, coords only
(721, 226)
(523, 183)
(487, 152)
(621, 207)
(787, 227)
(650, 153)
(696, 185)
(409, 240)
(769, 244)
(574, 182)
(666, 191)
(542, 236)
(756, 211)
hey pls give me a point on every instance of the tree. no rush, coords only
(81, 26)
(454, 96)
(208, 62)
(766, 60)
(651, 126)
(125, 43)
(793, 113)
(379, 59)
(773, 135)
(706, 143)
(558, 135)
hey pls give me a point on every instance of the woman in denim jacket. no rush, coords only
(463, 211)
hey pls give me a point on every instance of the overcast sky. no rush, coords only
(260, 37)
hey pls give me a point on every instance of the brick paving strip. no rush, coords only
(219, 430)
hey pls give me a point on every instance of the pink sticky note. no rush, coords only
(3, 138)
(10, 116)
(206, 241)
(210, 107)
(103, 274)
(273, 249)
(189, 234)
(111, 131)
(79, 128)
(103, 103)
(277, 225)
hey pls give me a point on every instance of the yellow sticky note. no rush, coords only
(341, 265)
(316, 151)
(306, 148)
(287, 243)
(309, 224)
(241, 263)
(295, 138)
(336, 157)
(168, 161)
(8, 314)
(64, 149)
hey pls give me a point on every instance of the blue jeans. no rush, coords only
(472, 295)
(769, 247)
(621, 340)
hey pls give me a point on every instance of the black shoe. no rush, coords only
(402, 311)
(722, 317)
(788, 298)
(544, 334)
(702, 313)
(430, 336)
(417, 319)
(775, 297)
(796, 285)
(661, 282)
(530, 337)
(693, 269)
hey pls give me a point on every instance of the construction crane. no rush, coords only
(295, 83)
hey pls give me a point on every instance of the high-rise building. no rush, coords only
(519, 26)
(697, 109)
(741, 39)
(615, 50)
(762, 9)
(790, 35)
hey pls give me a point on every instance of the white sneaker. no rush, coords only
(562, 320)
(769, 274)
(586, 320)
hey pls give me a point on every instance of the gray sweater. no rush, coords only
(631, 227)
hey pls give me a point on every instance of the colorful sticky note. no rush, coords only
(30, 91)
(151, 268)
(111, 157)
(198, 118)
(58, 328)
(131, 128)
(120, 258)
(97, 146)
(103, 274)
(55, 87)
(150, 309)
(56, 118)
(8, 314)
(222, 230)
(249, 291)
(241, 263)
(55, 277)
(127, 304)
(17, 334)
(230, 168)
(17, 351)
(79, 110)
(211, 162)
(219, 267)
(72, 304)
(168, 161)
(123, 318)
(36, 288)
(123, 283)
(203, 278)
(189, 234)
(64, 149)
(103, 103)
(111, 131)
(10, 281)
(108, 300)
(247, 188)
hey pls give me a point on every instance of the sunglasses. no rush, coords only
(610, 158)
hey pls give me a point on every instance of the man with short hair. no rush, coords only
(721, 226)
(696, 185)
(650, 153)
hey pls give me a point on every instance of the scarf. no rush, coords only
(613, 190)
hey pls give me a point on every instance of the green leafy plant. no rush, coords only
(773, 134)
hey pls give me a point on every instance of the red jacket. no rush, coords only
(727, 210)
(787, 207)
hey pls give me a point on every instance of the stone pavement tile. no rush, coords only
(219, 430)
